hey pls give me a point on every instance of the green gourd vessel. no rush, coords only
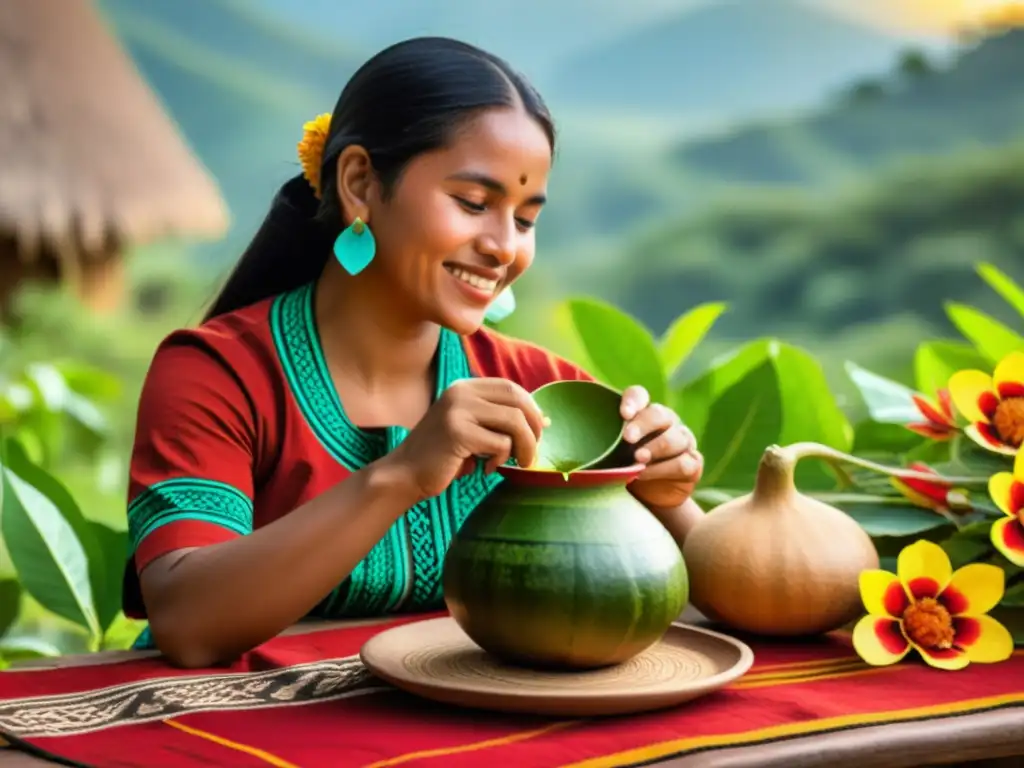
(564, 571)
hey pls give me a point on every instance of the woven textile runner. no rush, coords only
(306, 700)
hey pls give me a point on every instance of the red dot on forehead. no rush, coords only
(523, 179)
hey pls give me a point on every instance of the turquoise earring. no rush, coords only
(355, 247)
(504, 304)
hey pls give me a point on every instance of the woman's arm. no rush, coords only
(209, 604)
(679, 521)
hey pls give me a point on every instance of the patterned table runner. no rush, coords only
(306, 700)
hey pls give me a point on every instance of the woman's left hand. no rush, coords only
(665, 445)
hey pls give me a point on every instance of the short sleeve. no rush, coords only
(192, 465)
(529, 365)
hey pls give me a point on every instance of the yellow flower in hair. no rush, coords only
(311, 149)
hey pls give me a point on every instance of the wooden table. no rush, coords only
(987, 740)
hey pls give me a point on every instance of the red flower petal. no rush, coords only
(966, 630)
(954, 600)
(931, 431)
(988, 432)
(933, 491)
(890, 635)
(1013, 535)
(895, 599)
(946, 403)
(1010, 389)
(923, 587)
(988, 402)
(928, 411)
(1017, 497)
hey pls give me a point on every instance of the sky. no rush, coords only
(918, 15)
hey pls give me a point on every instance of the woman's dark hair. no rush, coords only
(408, 99)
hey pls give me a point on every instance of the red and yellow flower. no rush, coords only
(939, 422)
(1007, 491)
(927, 607)
(938, 495)
(993, 404)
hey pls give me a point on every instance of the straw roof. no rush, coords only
(89, 161)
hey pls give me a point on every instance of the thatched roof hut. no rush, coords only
(90, 164)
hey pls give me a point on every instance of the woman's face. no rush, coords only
(459, 224)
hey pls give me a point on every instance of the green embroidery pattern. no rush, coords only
(188, 499)
(404, 568)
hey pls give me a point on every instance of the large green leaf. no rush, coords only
(936, 361)
(685, 334)
(1002, 284)
(810, 410)
(969, 458)
(890, 440)
(103, 547)
(107, 581)
(619, 346)
(787, 400)
(993, 339)
(10, 603)
(888, 402)
(880, 519)
(49, 558)
(693, 400)
(741, 424)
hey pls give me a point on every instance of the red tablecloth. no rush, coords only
(305, 700)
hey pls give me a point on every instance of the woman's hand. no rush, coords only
(492, 418)
(665, 445)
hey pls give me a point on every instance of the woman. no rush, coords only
(311, 447)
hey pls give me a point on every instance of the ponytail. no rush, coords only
(289, 250)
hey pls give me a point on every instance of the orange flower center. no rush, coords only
(929, 624)
(1009, 421)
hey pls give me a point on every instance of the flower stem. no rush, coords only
(800, 451)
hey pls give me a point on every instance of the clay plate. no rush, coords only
(435, 659)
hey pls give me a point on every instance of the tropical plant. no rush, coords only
(933, 461)
(53, 557)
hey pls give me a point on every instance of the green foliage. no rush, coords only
(61, 565)
(768, 392)
(621, 349)
(990, 337)
(686, 333)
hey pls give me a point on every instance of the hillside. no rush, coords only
(890, 252)
(975, 100)
(239, 86)
(729, 57)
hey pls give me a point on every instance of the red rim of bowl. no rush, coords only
(546, 478)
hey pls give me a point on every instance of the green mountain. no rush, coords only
(239, 85)
(919, 109)
(731, 57)
(874, 263)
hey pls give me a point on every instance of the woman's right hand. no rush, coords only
(491, 418)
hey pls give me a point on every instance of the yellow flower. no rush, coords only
(928, 607)
(1007, 491)
(993, 404)
(311, 149)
